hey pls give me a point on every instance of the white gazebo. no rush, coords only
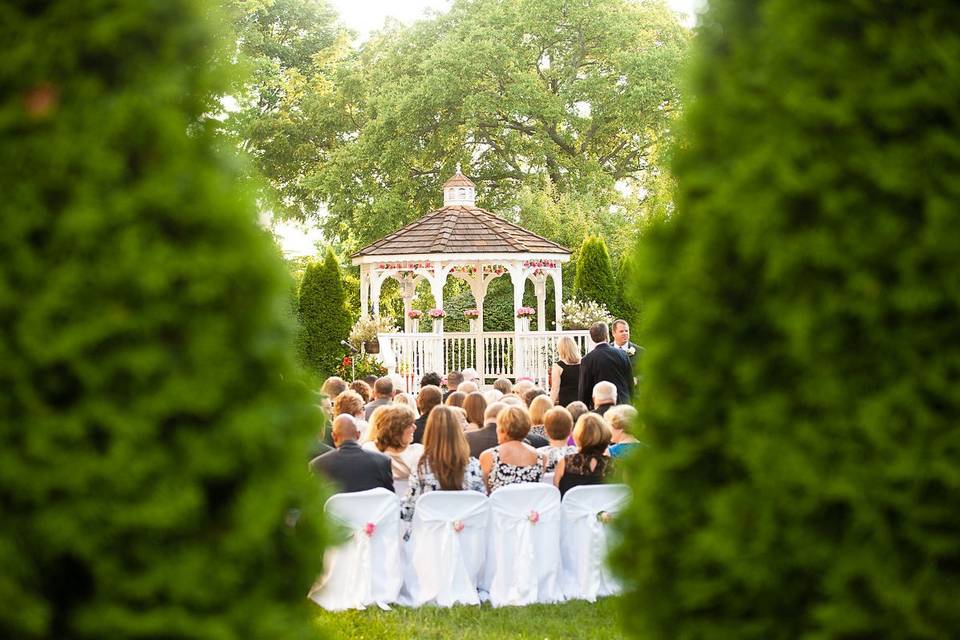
(461, 240)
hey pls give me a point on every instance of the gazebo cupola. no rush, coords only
(459, 190)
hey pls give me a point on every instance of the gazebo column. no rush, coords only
(408, 286)
(540, 289)
(436, 288)
(478, 287)
(375, 285)
(519, 279)
(364, 290)
(557, 298)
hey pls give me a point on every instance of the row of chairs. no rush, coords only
(520, 546)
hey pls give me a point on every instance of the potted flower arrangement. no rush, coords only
(365, 332)
(414, 315)
(524, 314)
(437, 315)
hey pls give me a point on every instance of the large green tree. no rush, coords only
(567, 97)
(801, 384)
(594, 275)
(151, 422)
(324, 318)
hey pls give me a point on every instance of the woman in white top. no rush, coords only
(394, 423)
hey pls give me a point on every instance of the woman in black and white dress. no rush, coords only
(512, 461)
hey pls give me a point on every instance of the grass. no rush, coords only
(574, 619)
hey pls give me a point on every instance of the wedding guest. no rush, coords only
(503, 385)
(395, 439)
(559, 425)
(512, 461)
(461, 417)
(370, 379)
(399, 384)
(522, 386)
(492, 395)
(538, 408)
(576, 410)
(350, 467)
(362, 388)
(604, 363)
(446, 464)
(621, 340)
(604, 397)
(536, 392)
(350, 403)
(622, 419)
(588, 465)
(467, 386)
(455, 399)
(407, 400)
(485, 437)
(382, 395)
(429, 397)
(514, 401)
(475, 405)
(430, 378)
(333, 386)
(565, 374)
(470, 375)
(454, 378)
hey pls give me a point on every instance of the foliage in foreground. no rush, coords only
(574, 619)
(802, 389)
(150, 422)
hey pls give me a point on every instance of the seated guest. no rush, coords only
(382, 395)
(520, 389)
(461, 417)
(470, 375)
(588, 465)
(399, 384)
(621, 420)
(474, 406)
(454, 378)
(455, 399)
(513, 401)
(533, 393)
(577, 409)
(370, 379)
(428, 398)
(503, 385)
(467, 386)
(395, 439)
(430, 378)
(407, 400)
(445, 465)
(349, 466)
(369, 436)
(512, 461)
(362, 388)
(492, 395)
(604, 397)
(538, 408)
(485, 437)
(333, 386)
(559, 426)
(349, 403)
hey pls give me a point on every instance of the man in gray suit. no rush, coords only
(382, 394)
(349, 466)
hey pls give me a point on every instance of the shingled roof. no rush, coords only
(460, 229)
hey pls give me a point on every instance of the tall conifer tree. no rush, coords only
(324, 318)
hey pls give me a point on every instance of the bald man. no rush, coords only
(349, 466)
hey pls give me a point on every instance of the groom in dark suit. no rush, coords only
(621, 340)
(605, 363)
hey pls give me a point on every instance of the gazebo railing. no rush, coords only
(493, 354)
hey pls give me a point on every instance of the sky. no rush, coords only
(363, 16)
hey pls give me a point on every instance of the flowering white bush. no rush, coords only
(580, 314)
(367, 329)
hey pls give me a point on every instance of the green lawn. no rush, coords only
(575, 619)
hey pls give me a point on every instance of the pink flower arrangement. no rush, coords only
(525, 312)
(414, 314)
(550, 264)
(404, 266)
(369, 528)
(604, 517)
(534, 517)
(458, 526)
(471, 313)
(436, 314)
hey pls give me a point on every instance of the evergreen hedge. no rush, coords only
(324, 318)
(802, 374)
(151, 425)
(594, 277)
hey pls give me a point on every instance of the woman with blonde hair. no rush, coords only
(407, 400)
(475, 405)
(558, 424)
(565, 374)
(621, 418)
(588, 465)
(395, 438)
(538, 409)
(445, 465)
(513, 461)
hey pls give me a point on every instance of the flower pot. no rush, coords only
(414, 325)
(523, 324)
(372, 346)
(474, 325)
(438, 325)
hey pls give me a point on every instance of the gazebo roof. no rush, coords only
(460, 229)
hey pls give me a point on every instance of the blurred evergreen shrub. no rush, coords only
(151, 422)
(324, 318)
(802, 375)
(594, 277)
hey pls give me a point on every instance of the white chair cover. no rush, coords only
(368, 567)
(523, 551)
(584, 539)
(400, 487)
(547, 478)
(447, 548)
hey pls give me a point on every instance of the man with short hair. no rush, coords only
(349, 466)
(430, 378)
(604, 396)
(370, 379)
(454, 378)
(382, 394)
(503, 385)
(621, 340)
(485, 437)
(429, 397)
(470, 375)
(605, 363)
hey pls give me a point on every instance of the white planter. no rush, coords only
(474, 325)
(438, 325)
(414, 325)
(523, 324)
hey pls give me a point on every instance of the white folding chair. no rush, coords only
(447, 548)
(367, 567)
(547, 478)
(584, 537)
(523, 549)
(400, 487)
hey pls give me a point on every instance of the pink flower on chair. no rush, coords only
(534, 517)
(604, 517)
(369, 528)
(458, 526)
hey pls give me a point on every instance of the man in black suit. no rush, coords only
(621, 340)
(605, 363)
(349, 466)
